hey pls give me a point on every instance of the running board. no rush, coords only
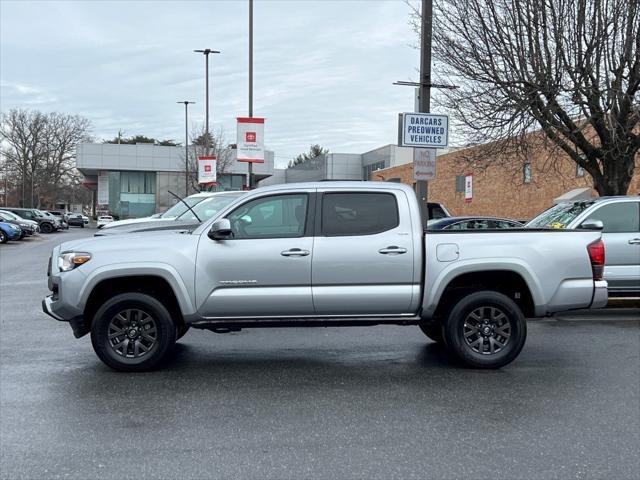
(227, 325)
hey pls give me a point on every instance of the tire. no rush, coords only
(82, 226)
(181, 331)
(138, 316)
(434, 332)
(46, 228)
(3, 237)
(485, 329)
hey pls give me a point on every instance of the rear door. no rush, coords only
(363, 255)
(621, 236)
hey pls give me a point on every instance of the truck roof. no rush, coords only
(346, 184)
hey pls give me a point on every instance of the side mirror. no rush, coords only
(220, 230)
(592, 225)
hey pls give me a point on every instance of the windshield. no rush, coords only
(40, 213)
(559, 216)
(209, 207)
(179, 208)
(10, 216)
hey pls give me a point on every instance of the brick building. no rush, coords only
(512, 188)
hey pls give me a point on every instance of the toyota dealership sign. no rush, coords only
(250, 139)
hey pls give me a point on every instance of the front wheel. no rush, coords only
(46, 228)
(486, 329)
(132, 332)
(3, 237)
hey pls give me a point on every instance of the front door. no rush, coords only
(621, 236)
(363, 257)
(265, 269)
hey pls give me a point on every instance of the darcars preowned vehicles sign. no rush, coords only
(250, 139)
(425, 130)
(207, 170)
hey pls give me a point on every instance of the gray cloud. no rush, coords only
(323, 69)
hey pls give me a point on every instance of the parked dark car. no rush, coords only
(47, 223)
(473, 223)
(75, 220)
(28, 227)
(9, 231)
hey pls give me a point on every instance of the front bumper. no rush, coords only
(600, 294)
(77, 322)
(46, 308)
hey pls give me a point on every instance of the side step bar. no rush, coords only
(228, 325)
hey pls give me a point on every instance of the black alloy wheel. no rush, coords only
(486, 329)
(132, 332)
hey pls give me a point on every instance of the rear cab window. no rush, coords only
(351, 213)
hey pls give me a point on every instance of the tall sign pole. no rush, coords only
(424, 95)
(250, 80)
(186, 146)
(206, 53)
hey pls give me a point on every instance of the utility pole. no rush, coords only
(206, 53)
(250, 81)
(424, 95)
(186, 146)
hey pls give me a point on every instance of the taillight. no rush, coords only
(596, 255)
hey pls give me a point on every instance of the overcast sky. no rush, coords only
(323, 69)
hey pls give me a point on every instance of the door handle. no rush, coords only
(392, 250)
(634, 241)
(295, 252)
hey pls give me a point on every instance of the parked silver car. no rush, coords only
(621, 235)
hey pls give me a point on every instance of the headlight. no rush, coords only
(70, 260)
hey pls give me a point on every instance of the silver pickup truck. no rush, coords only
(321, 254)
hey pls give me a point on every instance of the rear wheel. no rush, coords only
(46, 228)
(434, 332)
(3, 237)
(486, 330)
(132, 332)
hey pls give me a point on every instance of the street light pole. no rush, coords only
(250, 80)
(186, 146)
(206, 53)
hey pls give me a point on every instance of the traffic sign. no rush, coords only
(424, 164)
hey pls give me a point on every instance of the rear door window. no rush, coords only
(358, 213)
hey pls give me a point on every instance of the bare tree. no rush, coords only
(568, 67)
(40, 151)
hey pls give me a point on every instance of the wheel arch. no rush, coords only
(162, 284)
(508, 281)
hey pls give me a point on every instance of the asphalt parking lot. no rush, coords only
(376, 402)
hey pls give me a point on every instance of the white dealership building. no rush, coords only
(134, 180)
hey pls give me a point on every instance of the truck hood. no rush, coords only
(146, 241)
(152, 226)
